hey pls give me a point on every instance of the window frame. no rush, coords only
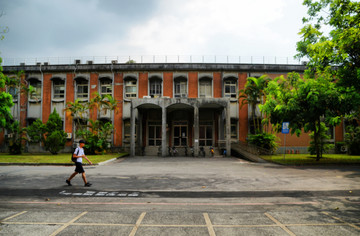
(155, 88)
(107, 84)
(36, 95)
(204, 85)
(82, 84)
(180, 88)
(55, 85)
(133, 85)
(230, 83)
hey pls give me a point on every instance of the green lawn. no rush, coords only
(307, 159)
(30, 158)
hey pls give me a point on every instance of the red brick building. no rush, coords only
(160, 104)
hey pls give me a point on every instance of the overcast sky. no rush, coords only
(41, 28)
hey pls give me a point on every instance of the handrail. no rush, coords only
(13, 61)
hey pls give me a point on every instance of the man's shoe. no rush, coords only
(88, 184)
(68, 182)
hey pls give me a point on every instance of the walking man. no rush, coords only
(79, 154)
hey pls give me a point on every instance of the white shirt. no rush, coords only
(79, 152)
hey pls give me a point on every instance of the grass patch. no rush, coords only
(307, 159)
(36, 158)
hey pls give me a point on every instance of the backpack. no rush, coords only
(73, 159)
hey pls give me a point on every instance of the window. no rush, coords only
(82, 89)
(180, 88)
(230, 89)
(59, 89)
(105, 87)
(205, 88)
(154, 133)
(155, 88)
(36, 93)
(13, 92)
(130, 89)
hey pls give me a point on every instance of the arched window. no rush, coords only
(82, 89)
(230, 88)
(58, 88)
(155, 87)
(130, 87)
(205, 88)
(180, 87)
(105, 86)
(35, 94)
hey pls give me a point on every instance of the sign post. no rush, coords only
(285, 130)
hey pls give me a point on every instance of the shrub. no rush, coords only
(264, 140)
(352, 140)
(55, 141)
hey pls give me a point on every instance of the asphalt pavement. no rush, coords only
(181, 196)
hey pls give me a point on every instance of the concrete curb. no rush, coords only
(56, 164)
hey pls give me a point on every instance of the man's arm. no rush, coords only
(87, 160)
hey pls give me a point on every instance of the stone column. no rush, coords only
(228, 130)
(163, 132)
(196, 130)
(132, 130)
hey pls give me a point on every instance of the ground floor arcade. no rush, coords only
(179, 122)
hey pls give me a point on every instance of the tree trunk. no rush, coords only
(317, 133)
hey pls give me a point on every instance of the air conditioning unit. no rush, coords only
(22, 64)
(46, 63)
(147, 97)
(89, 62)
(69, 135)
(114, 62)
(77, 61)
(38, 63)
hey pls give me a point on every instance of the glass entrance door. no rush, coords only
(180, 134)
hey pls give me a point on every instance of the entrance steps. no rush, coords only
(156, 151)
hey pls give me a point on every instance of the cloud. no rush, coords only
(147, 27)
(197, 26)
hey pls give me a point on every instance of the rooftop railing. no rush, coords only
(151, 59)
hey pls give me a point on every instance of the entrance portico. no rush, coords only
(180, 122)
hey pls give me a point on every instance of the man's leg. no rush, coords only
(72, 176)
(84, 177)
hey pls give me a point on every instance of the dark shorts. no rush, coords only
(79, 168)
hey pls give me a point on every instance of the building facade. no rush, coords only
(161, 105)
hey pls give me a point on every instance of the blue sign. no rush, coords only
(285, 128)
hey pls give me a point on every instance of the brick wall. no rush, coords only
(46, 95)
(243, 110)
(193, 84)
(118, 96)
(217, 85)
(70, 95)
(168, 84)
(94, 87)
(143, 85)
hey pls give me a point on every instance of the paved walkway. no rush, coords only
(178, 223)
(181, 196)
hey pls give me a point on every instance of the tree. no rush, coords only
(252, 95)
(55, 135)
(6, 101)
(339, 47)
(307, 104)
(331, 42)
(96, 133)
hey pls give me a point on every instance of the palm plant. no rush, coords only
(252, 95)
